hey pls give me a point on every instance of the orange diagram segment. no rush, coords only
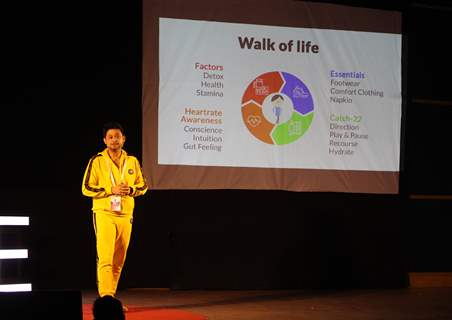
(262, 86)
(256, 123)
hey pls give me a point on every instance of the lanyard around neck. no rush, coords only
(112, 177)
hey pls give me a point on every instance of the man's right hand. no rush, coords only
(120, 190)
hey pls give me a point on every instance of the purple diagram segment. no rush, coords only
(298, 92)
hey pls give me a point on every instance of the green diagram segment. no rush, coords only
(293, 129)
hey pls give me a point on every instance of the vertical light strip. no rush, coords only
(19, 287)
(14, 221)
(14, 254)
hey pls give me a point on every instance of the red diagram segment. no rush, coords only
(257, 124)
(262, 86)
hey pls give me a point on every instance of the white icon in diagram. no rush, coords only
(294, 128)
(298, 92)
(254, 121)
(259, 88)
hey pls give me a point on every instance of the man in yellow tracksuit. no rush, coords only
(112, 179)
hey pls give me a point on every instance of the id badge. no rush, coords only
(115, 203)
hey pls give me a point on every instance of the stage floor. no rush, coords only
(412, 304)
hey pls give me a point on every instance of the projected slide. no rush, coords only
(255, 96)
(284, 97)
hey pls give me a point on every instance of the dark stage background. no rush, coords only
(69, 67)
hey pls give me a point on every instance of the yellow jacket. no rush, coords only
(98, 181)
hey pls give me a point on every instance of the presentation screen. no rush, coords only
(272, 103)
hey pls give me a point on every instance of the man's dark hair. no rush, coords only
(108, 308)
(277, 96)
(112, 125)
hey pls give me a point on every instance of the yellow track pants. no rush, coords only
(112, 240)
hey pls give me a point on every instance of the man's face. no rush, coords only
(277, 102)
(114, 139)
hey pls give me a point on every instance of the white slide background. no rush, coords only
(373, 145)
